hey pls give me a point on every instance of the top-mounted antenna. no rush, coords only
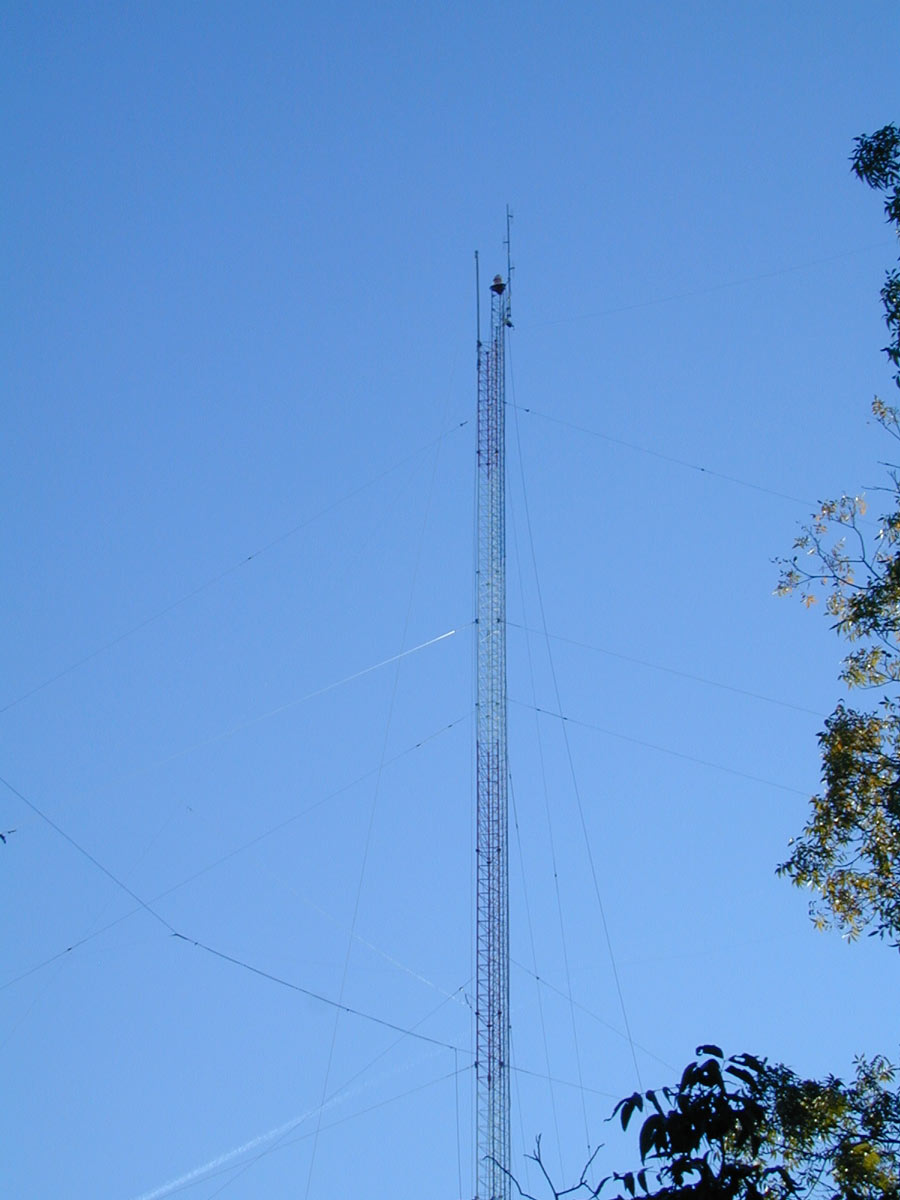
(477, 304)
(509, 266)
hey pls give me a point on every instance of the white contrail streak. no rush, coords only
(329, 687)
(223, 1159)
(279, 1131)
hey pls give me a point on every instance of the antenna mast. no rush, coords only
(492, 883)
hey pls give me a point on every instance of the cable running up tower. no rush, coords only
(492, 883)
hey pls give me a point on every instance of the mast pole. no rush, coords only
(492, 871)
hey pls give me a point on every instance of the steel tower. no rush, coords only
(492, 886)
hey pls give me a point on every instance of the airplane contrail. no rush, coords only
(174, 1184)
(261, 1139)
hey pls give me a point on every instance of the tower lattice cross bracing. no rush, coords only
(492, 900)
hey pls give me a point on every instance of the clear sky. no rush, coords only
(238, 447)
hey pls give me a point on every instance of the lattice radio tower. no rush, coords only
(492, 873)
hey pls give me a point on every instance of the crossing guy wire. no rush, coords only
(624, 737)
(198, 874)
(223, 574)
(120, 883)
(580, 807)
(670, 458)
(338, 1005)
(690, 293)
(643, 662)
(329, 687)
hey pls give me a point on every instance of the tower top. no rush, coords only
(498, 285)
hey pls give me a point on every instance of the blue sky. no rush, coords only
(238, 482)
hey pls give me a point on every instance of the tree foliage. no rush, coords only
(849, 850)
(739, 1128)
(876, 161)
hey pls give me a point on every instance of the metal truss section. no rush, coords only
(492, 901)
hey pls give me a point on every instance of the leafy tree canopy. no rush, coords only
(741, 1129)
(849, 851)
(876, 160)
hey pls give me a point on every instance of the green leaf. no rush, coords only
(626, 1108)
(650, 1138)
